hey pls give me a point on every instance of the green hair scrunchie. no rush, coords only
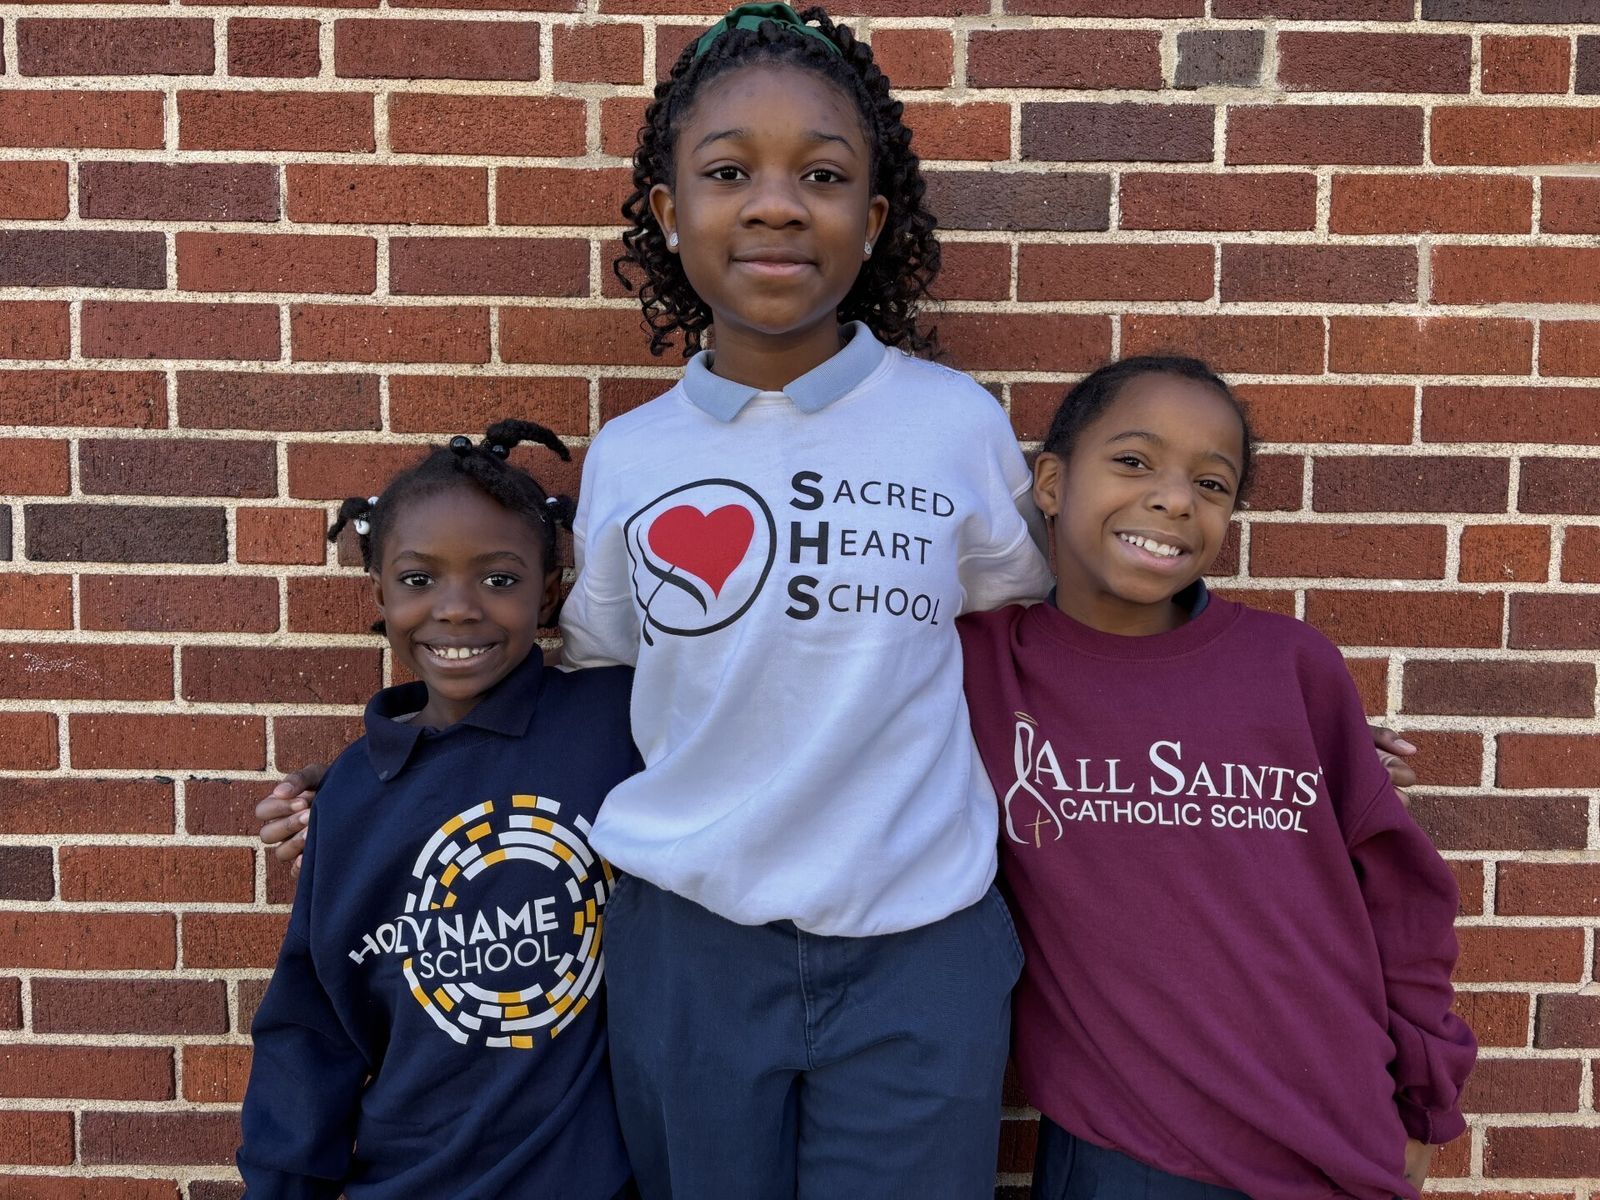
(750, 16)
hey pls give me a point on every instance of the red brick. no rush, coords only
(563, 196)
(215, 1074)
(1566, 205)
(162, 875)
(172, 329)
(1084, 271)
(383, 49)
(1504, 554)
(571, 336)
(230, 940)
(73, 258)
(26, 873)
(1349, 551)
(1525, 64)
(1511, 414)
(1511, 1085)
(1548, 889)
(563, 6)
(10, 1003)
(79, 671)
(177, 467)
(1500, 822)
(1500, 688)
(1431, 204)
(1506, 137)
(620, 395)
(1336, 274)
(178, 191)
(620, 119)
(135, 399)
(280, 676)
(56, 1187)
(1567, 1021)
(135, 46)
(1097, 132)
(35, 1139)
(914, 58)
(331, 604)
(1559, 485)
(161, 1006)
(1503, 954)
(292, 402)
(78, 805)
(303, 740)
(1101, 59)
(1025, 342)
(35, 466)
(1549, 621)
(55, 941)
(262, 47)
(1276, 483)
(1275, 345)
(222, 807)
(33, 191)
(251, 262)
(1569, 348)
(1374, 62)
(1371, 676)
(450, 404)
(1530, 1151)
(1580, 554)
(1410, 483)
(391, 333)
(180, 603)
(1106, 8)
(972, 132)
(610, 53)
(89, 1072)
(1516, 275)
(81, 120)
(130, 741)
(1538, 760)
(488, 266)
(998, 199)
(1316, 10)
(974, 271)
(33, 330)
(1431, 345)
(361, 195)
(168, 1138)
(520, 126)
(124, 532)
(27, 741)
(1270, 201)
(281, 535)
(35, 601)
(1496, 1018)
(1368, 135)
(245, 120)
(1447, 759)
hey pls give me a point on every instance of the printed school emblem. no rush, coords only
(701, 554)
(500, 939)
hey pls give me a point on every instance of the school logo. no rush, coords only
(500, 938)
(701, 554)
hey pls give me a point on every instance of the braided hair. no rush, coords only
(905, 256)
(483, 465)
(1095, 392)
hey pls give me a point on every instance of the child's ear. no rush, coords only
(551, 601)
(877, 217)
(377, 590)
(1049, 474)
(665, 211)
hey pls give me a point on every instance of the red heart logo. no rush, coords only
(707, 545)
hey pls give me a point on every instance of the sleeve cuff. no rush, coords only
(1434, 1128)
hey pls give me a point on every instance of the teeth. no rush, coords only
(1154, 547)
(457, 651)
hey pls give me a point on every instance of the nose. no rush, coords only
(1170, 492)
(774, 199)
(456, 602)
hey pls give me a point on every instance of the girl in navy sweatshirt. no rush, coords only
(1238, 943)
(434, 1026)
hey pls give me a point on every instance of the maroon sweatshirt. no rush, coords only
(1238, 942)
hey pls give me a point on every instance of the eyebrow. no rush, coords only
(816, 135)
(482, 558)
(1155, 439)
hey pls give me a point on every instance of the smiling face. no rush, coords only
(1142, 502)
(463, 592)
(772, 205)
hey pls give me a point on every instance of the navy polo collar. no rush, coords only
(812, 392)
(507, 710)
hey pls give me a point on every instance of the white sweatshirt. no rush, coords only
(785, 570)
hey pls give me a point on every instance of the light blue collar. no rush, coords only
(812, 392)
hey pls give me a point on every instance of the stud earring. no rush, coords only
(869, 249)
(672, 240)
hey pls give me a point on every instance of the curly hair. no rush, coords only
(905, 258)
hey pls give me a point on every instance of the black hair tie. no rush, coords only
(461, 444)
(496, 449)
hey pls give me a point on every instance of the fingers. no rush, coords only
(289, 850)
(1388, 740)
(274, 833)
(1400, 772)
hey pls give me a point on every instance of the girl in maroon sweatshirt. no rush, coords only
(1238, 942)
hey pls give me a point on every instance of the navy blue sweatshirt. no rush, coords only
(435, 1027)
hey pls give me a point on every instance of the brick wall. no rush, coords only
(251, 256)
